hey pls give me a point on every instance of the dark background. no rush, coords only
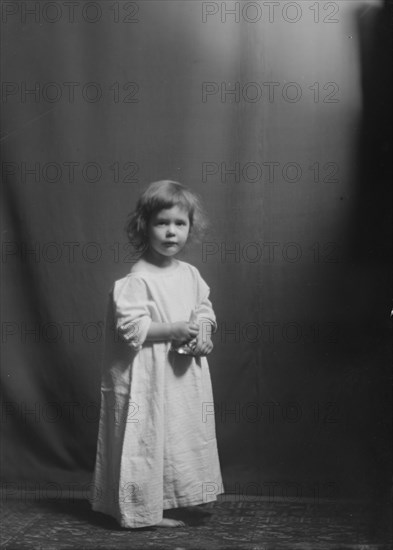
(301, 365)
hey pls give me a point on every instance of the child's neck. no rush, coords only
(157, 260)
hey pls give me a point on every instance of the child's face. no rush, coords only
(168, 230)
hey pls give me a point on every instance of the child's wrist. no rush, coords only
(170, 331)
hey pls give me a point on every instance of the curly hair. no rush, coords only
(161, 195)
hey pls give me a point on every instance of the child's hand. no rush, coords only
(183, 331)
(201, 345)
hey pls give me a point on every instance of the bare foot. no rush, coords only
(168, 522)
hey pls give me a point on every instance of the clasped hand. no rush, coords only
(194, 336)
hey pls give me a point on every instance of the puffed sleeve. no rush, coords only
(204, 310)
(132, 310)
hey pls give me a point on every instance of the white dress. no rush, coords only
(157, 445)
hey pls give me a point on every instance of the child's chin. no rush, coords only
(172, 251)
(167, 251)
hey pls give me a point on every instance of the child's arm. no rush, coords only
(181, 331)
(202, 344)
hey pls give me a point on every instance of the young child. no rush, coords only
(157, 449)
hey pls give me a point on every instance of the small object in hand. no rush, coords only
(183, 350)
(188, 347)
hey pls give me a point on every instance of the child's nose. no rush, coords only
(170, 230)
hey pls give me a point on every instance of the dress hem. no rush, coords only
(188, 501)
(168, 505)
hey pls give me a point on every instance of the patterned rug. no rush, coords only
(255, 524)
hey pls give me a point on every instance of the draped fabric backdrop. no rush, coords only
(277, 114)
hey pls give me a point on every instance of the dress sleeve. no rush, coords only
(132, 311)
(204, 310)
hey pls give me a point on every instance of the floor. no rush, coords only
(230, 523)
